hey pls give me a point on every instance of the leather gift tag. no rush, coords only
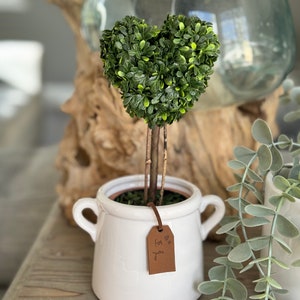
(160, 248)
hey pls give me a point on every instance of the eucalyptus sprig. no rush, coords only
(241, 252)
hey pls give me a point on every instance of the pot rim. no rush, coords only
(167, 212)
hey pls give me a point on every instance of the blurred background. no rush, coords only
(37, 68)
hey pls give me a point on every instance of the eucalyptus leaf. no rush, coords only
(275, 200)
(237, 289)
(295, 191)
(246, 268)
(234, 188)
(280, 263)
(236, 164)
(286, 228)
(226, 262)
(260, 260)
(233, 239)
(264, 157)
(259, 196)
(227, 227)
(244, 154)
(217, 273)
(223, 249)
(260, 287)
(274, 283)
(281, 183)
(261, 132)
(210, 287)
(283, 244)
(240, 253)
(259, 210)
(296, 152)
(255, 221)
(254, 176)
(259, 243)
(284, 141)
(238, 204)
(260, 296)
(250, 187)
(277, 160)
(288, 196)
(292, 116)
(296, 263)
(295, 173)
(295, 94)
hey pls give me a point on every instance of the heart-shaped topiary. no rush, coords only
(161, 72)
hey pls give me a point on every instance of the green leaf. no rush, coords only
(283, 244)
(288, 197)
(217, 273)
(236, 164)
(260, 296)
(284, 141)
(226, 262)
(260, 287)
(280, 263)
(245, 269)
(261, 132)
(237, 289)
(227, 227)
(259, 243)
(254, 176)
(295, 191)
(244, 154)
(295, 173)
(210, 287)
(264, 157)
(273, 283)
(292, 116)
(234, 188)
(259, 210)
(286, 228)
(281, 183)
(236, 203)
(296, 263)
(255, 221)
(223, 249)
(275, 200)
(240, 253)
(277, 160)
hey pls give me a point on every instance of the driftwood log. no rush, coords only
(102, 142)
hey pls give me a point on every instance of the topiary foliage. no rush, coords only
(161, 72)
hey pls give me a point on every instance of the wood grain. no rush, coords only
(59, 265)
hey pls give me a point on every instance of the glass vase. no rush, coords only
(258, 47)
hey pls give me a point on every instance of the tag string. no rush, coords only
(160, 226)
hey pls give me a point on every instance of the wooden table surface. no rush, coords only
(59, 265)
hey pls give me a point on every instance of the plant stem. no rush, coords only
(165, 158)
(154, 163)
(147, 165)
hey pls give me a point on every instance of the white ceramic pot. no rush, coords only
(120, 270)
(288, 279)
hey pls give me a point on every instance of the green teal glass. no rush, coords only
(258, 46)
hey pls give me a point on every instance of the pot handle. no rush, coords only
(217, 215)
(85, 224)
